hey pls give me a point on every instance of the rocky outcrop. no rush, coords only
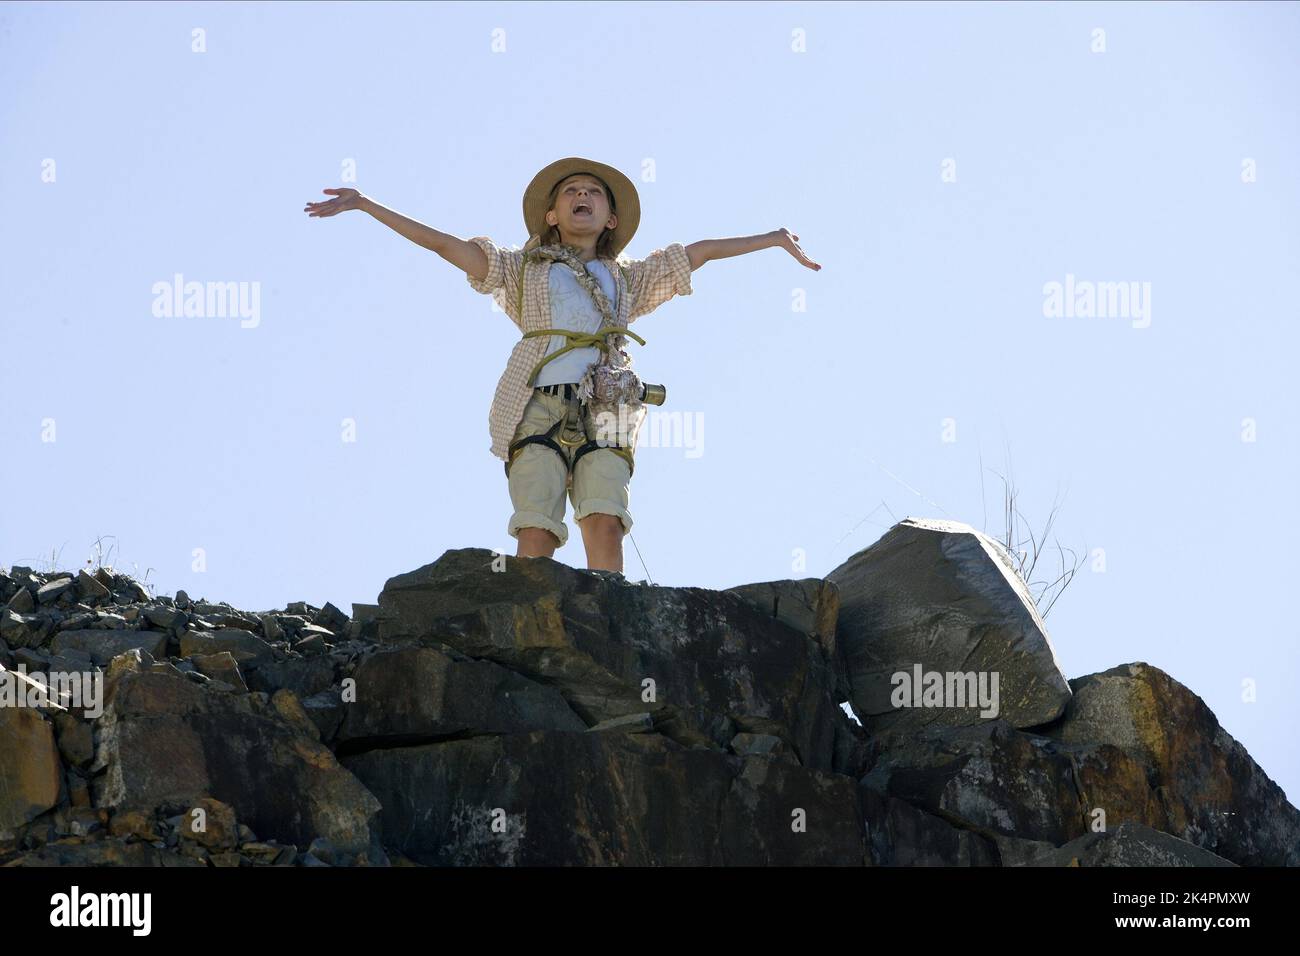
(501, 711)
(703, 666)
(1204, 786)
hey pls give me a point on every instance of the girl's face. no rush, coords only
(581, 208)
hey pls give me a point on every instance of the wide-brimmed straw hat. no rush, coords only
(624, 201)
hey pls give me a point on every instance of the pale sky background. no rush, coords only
(821, 427)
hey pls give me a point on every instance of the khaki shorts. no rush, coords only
(539, 480)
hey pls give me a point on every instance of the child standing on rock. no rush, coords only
(567, 408)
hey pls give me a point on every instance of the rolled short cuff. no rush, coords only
(604, 507)
(535, 519)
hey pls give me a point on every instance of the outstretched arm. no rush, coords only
(708, 249)
(467, 256)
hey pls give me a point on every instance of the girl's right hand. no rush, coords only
(345, 199)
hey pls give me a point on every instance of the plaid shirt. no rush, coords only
(643, 285)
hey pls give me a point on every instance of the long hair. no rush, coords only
(605, 243)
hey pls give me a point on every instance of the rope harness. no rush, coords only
(571, 430)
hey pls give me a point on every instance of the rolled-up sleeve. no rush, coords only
(658, 277)
(502, 279)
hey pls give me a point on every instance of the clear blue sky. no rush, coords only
(175, 434)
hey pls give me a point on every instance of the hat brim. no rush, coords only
(627, 205)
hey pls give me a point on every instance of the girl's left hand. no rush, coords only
(790, 243)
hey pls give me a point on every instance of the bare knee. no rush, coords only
(536, 543)
(599, 525)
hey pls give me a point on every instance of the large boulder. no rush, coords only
(704, 665)
(933, 600)
(1209, 790)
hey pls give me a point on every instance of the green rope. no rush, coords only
(579, 340)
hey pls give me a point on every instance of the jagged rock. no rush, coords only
(326, 710)
(716, 665)
(22, 601)
(164, 617)
(628, 724)
(1129, 844)
(365, 621)
(215, 828)
(305, 676)
(76, 739)
(221, 667)
(102, 853)
(312, 646)
(901, 835)
(810, 605)
(413, 694)
(133, 822)
(943, 597)
(766, 745)
(23, 630)
(308, 631)
(103, 646)
(164, 738)
(620, 799)
(89, 588)
(997, 781)
(271, 629)
(53, 590)
(31, 777)
(1211, 793)
(332, 619)
(247, 648)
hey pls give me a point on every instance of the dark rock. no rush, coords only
(103, 646)
(1129, 844)
(164, 738)
(90, 589)
(554, 798)
(417, 693)
(901, 835)
(332, 619)
(55, 589)
(944, 598)
(304, 676)
(247, 648)
(31, 777)
(1209, 790)
(711, 659)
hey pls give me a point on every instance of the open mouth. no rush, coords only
(582, 209)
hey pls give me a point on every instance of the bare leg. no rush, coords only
(536, 543)
(602, 535)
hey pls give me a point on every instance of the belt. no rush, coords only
(568, 389)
